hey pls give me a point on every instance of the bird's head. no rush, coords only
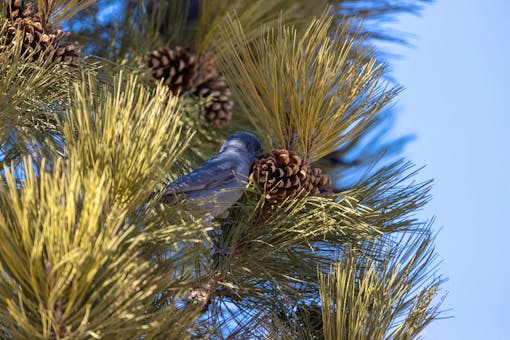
(245, 142)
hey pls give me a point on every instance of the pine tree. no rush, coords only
(104, 103)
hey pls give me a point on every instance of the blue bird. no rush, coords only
(219, 182)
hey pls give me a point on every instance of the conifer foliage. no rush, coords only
(88, 141)
(39, 34)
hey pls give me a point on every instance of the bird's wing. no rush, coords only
(215, 173)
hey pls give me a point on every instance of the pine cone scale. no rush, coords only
(45, 38)
(282, 175)
(176, 68)
(183, 71)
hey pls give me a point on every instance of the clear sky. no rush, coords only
(457, 80)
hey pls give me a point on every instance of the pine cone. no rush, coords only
(282, 175)
(15, 9)
(317, 183)
(217, 111)
(47, 40)
(34, 37)
(176, 67)
(68, 53)
(207, 70)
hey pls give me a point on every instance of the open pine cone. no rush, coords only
(281, 175)
(217, 111)
(207, 70)
(17, 9)
(183, 71)
(177, 67)
(316, 182)
(47, 40)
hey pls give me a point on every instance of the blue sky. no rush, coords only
(457, 80)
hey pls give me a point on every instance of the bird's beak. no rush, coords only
(260, 153)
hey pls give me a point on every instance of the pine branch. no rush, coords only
(378, 299)
(108, 262)
(90, 251)
(71, 263)
(252, 15)
(271, 254)
(56, 11)
(368, 151)
(372, 12)
(129, 133)
(32, 92)
(321, 90)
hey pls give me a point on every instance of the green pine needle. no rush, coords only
(130, 132)
(31, 93)
(56, 11)
(310, 92)
(71, 264)
(392, 297)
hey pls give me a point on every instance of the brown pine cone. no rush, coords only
(207, 70)
(34, 37)
(176, 67)
(46, 40)
(217, 111)
(317, 183)
(68, 53)
(281, 175)
(15, 9)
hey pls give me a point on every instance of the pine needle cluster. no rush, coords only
(89, 250)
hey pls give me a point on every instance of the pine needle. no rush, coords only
(311, 92)
(132, 133)
(31, 93)
(56, 11)
(391, 297)
(70, 261)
